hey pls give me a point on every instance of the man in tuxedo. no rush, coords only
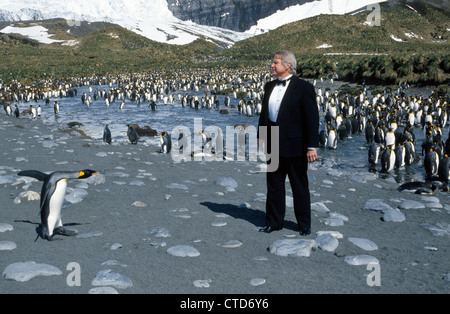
(289, 106)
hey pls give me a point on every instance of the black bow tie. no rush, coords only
(282, 82)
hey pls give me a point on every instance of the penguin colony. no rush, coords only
(387, 120)
(151, 89)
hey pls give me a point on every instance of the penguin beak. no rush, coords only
(90, 173)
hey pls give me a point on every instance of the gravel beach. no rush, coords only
(150, 225)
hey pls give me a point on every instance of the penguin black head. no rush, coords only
(84, 174)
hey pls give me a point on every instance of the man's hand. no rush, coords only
(311, 155)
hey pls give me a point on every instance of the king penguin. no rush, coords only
(8, 110)
(16, 111)
(132, 135)
(410, 152)
(332, 139)
(444, 169)
(33, 112)
(431, 163)
(107, 134)
(52, 198)
(387, 160)
(400, 155)
(55, 107)
(166, 143)
(374, 153)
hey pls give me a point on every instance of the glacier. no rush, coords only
(154, 20)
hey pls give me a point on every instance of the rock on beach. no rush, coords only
(364, 244)
(229, 183)
(183, 251)
(376, 205)
(394, 215)
(5, 227)
(361, 260)
(25, 271)
(108, 278)
(293, 247)
(327, 242)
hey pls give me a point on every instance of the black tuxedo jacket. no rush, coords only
(298, 118)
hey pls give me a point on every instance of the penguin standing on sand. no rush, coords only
(132, 135)
(342, 131)
(182, 142)
(52, 198)
(370, 132)
(410, 153)
(431, 163)
(55, 107)
(8, 110)
(107, 135)
(33, 112)
(444, 169)
(206, 141)
(16, 111)
(387, 160)
(374, 152)
(400, 154)
(332, 139)
(152, 105)
(166, 143)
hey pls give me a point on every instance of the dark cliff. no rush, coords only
(238, 15)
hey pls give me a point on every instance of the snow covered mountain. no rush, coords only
(153, 19)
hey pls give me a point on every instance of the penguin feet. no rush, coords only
(65, 232)
(49, 238)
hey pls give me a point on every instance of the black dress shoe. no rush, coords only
(305, 231)
(268, 229)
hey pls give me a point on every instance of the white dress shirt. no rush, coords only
(276, 97)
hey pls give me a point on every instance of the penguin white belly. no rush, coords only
(391, 161)
(403, 155)
(436, 169)
(332, 140)
(56, 202)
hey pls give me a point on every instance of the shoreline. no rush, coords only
(145, 204)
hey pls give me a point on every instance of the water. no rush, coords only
(165, 118)
(351, 155)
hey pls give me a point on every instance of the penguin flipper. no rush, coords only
(33, 174)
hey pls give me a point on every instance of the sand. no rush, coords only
(145, 206)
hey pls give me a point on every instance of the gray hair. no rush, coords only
(288, 57)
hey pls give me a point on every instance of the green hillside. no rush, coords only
(349, 34)
(409, 44)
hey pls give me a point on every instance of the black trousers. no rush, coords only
(296, 170)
